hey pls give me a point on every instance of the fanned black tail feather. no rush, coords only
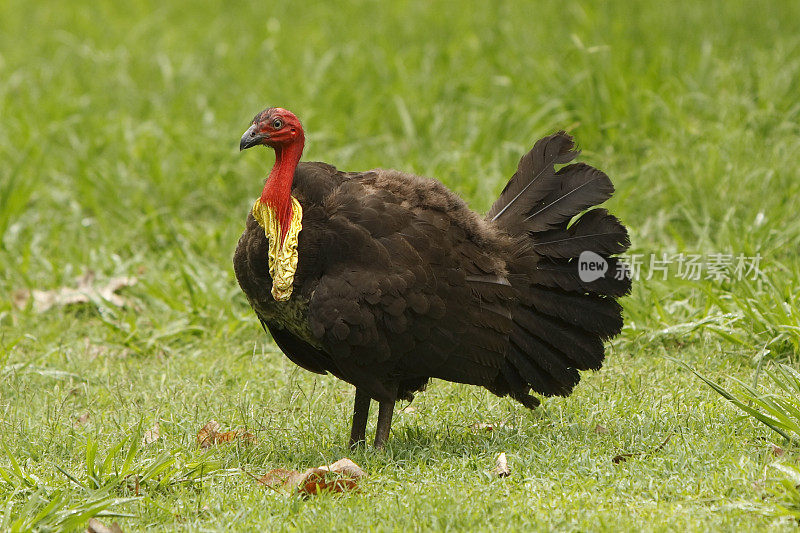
(534, 179)
(563, 316)
(596, 230)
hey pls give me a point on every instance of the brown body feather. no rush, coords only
(398, 281)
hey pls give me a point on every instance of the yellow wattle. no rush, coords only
(282, 255)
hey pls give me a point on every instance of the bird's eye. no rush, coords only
(277, 124)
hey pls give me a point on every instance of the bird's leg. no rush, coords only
(385, 412)
(358, 433)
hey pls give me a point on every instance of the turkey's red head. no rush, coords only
(274, 127)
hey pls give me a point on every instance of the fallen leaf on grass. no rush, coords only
(777, 451)
(279, 477)
(345, 467)
(210, 435)
(20, 298)
(317, 481)
(625, 456)
(621, 458)
(86, 292)
(341, 476)
(601, 430)
(96, 526)
(502, 470)
(80, 420)
(151, 435)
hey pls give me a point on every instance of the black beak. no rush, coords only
(250, 138)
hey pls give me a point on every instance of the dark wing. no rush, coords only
(406, 292)
(297, 350)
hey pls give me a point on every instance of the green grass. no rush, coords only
(118, 153)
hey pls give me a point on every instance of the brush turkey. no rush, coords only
(386, 279)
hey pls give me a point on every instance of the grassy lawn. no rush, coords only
(119, 132)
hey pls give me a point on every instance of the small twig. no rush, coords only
(249, 474)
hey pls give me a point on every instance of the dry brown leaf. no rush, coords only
(20, 298)
(345, 467)
(245, 437)
(206, 437)
(151, 435)
(279, 478)
(501, 469)
(317, 480)
(341, 476)
(225, 436)
(80, 420)
(777, 451)
(86, 292)
(601, 430)
(96, 526)
(210, 435)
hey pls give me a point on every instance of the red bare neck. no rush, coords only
(277, 191)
